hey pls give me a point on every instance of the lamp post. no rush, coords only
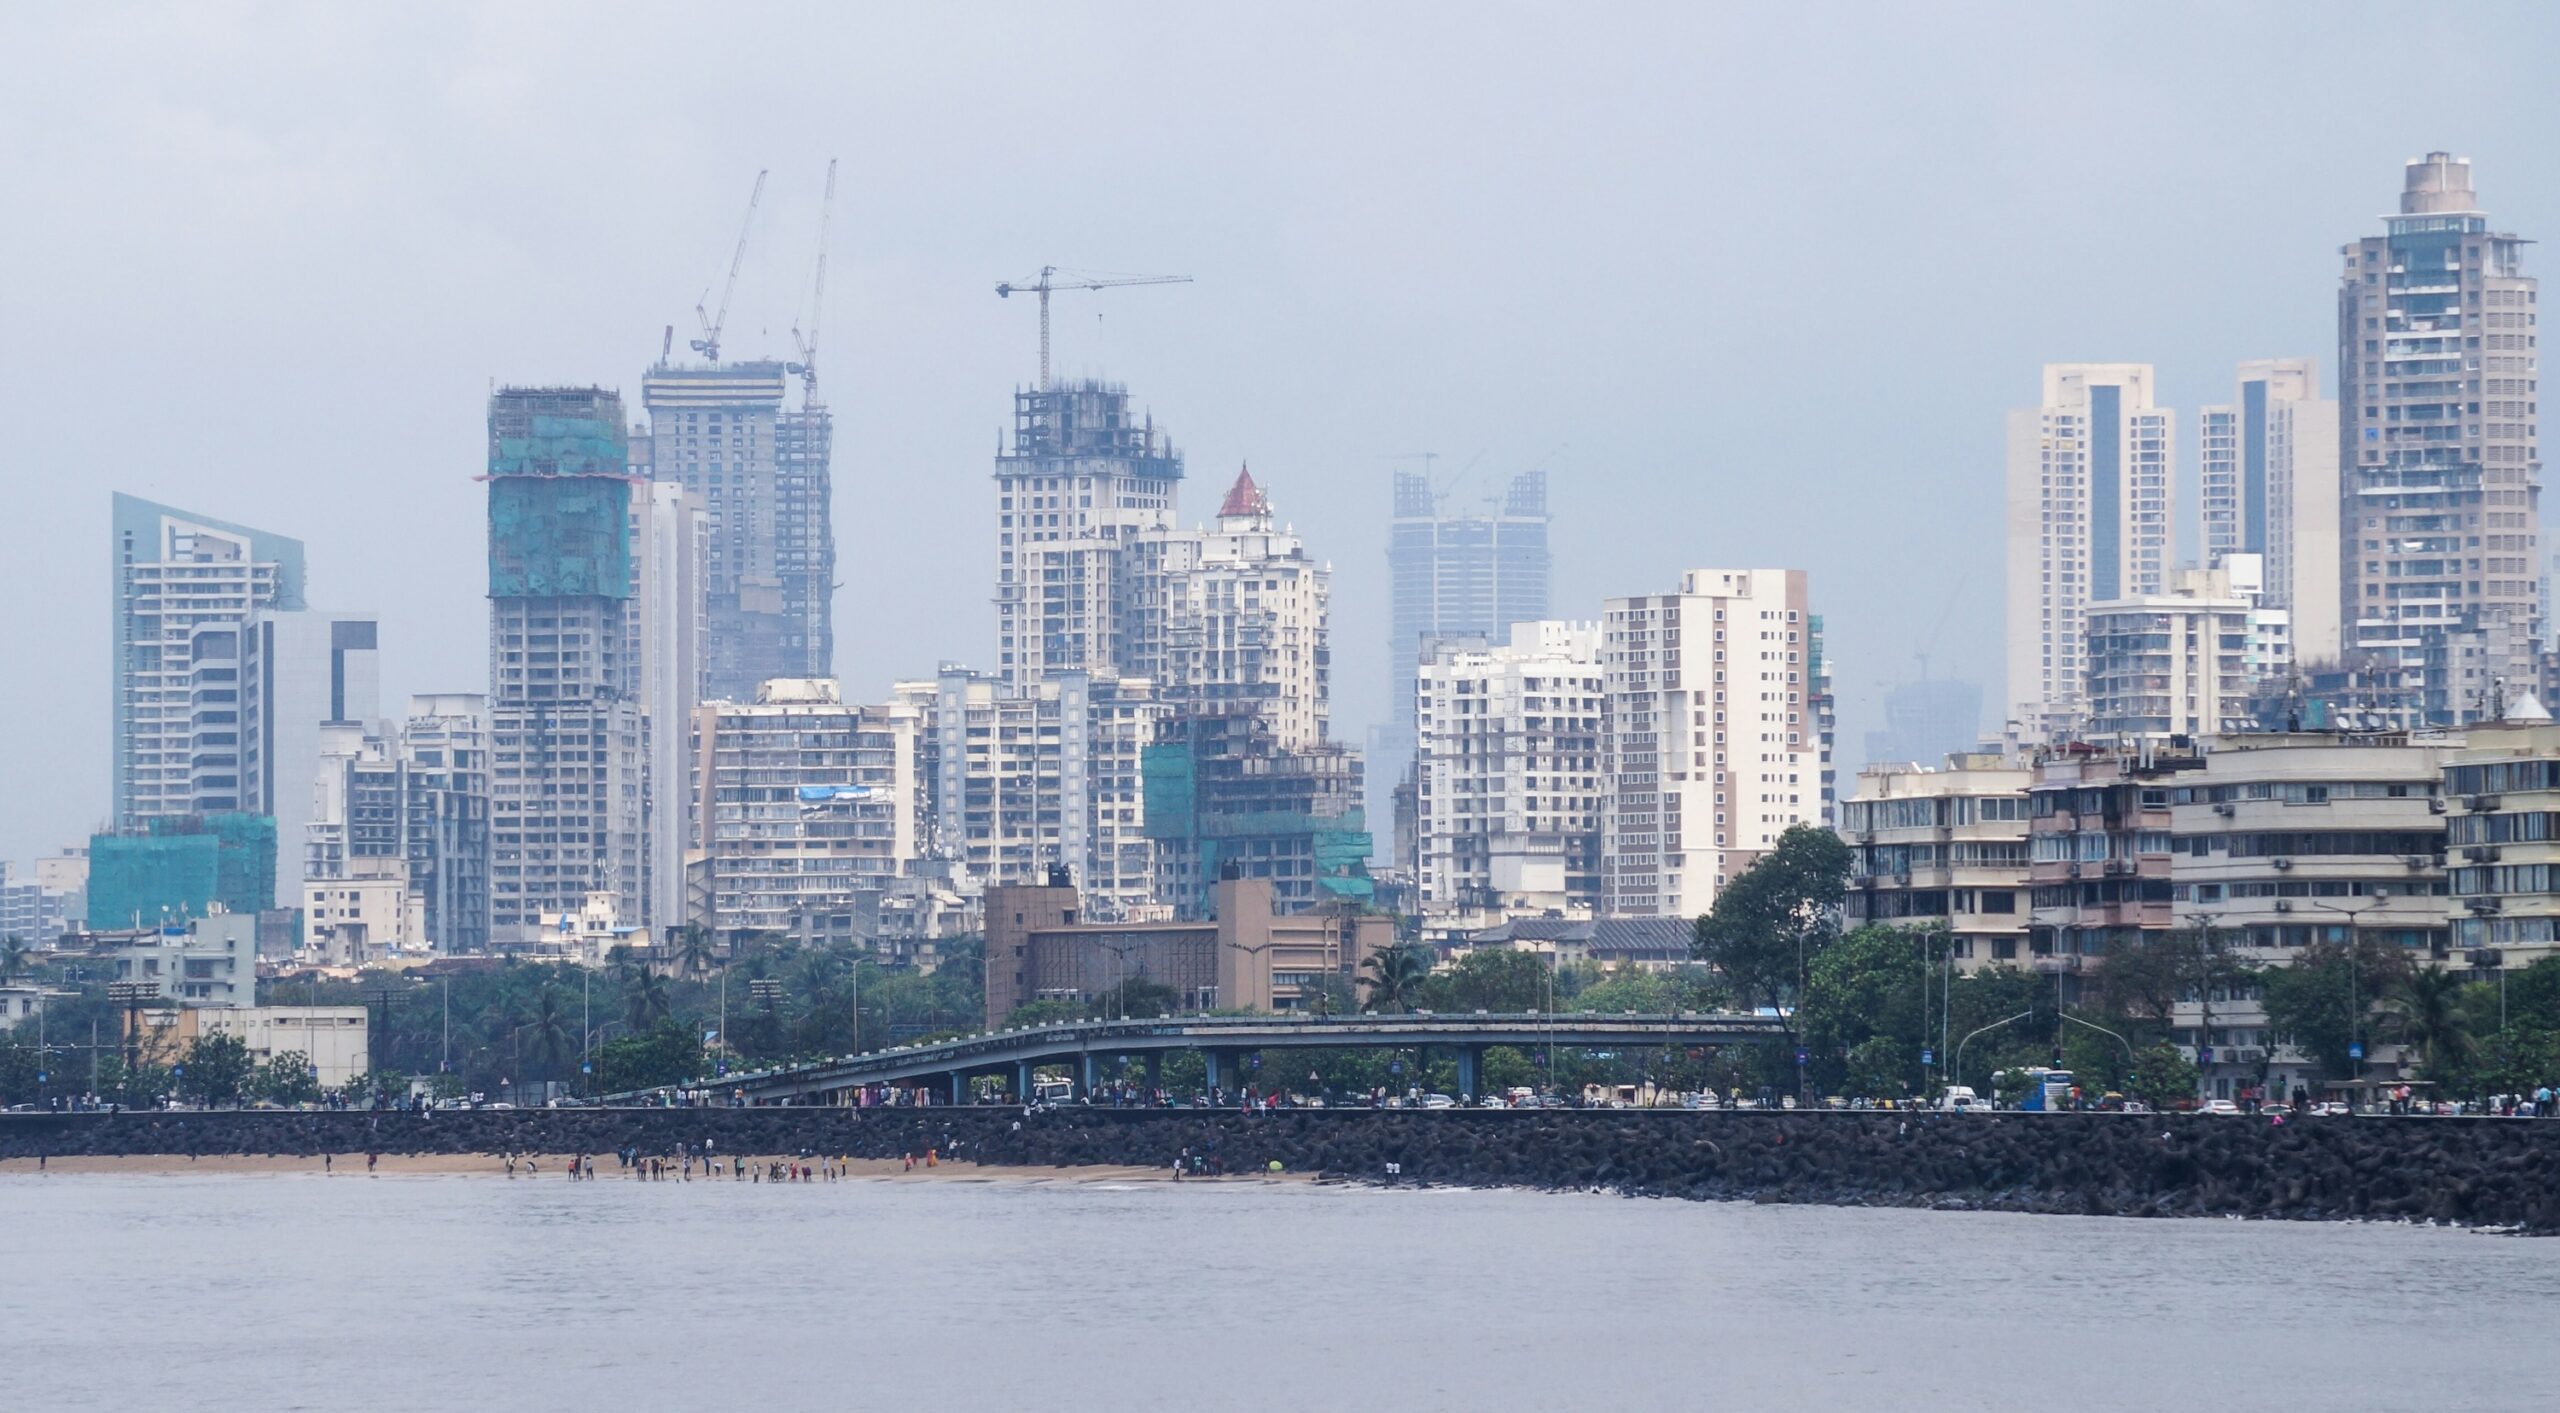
(2205, 942)
(1958, 1070)
(2355, 984)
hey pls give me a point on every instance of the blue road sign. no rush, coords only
(1928, 1057)
(585, 1068)
(2356, 1051)
(1802, 1056)
(1395, 1067)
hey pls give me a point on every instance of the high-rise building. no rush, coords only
(1716, 736)
(1926, 720)
(1020, 780)
(2173, 664)
(179, 574)
(2440, 520)
(1237, 614)
(1082, 480)
(761, 471)
(444, 749)
(568, 738)
(1507, 771)
(2092, 481)
(2269, 463)
(1465, 572)
(808, 803)
(670, 632)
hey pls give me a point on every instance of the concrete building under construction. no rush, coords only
(724, 433)
(1080, 483)
(1225, 800)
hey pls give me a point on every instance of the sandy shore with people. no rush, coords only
(546, 1167)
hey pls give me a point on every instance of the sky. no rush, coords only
(1755, 285)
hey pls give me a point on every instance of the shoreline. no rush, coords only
(554, 1167)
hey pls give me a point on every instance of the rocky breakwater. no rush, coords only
(2473, 1172)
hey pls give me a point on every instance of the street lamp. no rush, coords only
(1995, 1025)
(2355, 986)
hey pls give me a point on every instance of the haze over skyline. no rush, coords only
(1755, 288)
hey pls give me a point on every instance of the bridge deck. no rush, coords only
(1046, 1045)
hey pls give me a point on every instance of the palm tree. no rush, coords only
(554, 1035)
(1395, 975)
(693, 948)
(645, 997)
(13, 959)
(2432, 1019)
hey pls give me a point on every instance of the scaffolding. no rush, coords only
(182, 867)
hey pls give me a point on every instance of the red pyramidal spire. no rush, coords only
(1244, 497)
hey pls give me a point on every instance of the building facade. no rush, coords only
(568, 736)
(1944, 847)
(1244, 956)
(2269, 463)
(760, 472)
(1715, 737)
(1223, 799)
(1022, 780)
(178, 574)
(2171, 664)
(2091, 496)
(1080, 482)
(1507, 768)
(1238, 614)
(2440, 458)
(2502, 840)
(809, 802)
(669, 620)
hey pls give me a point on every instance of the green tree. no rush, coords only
(645, 1001)
(667, 1053)
(287, 1078)
(1496, 980)
(15, 960)
(1140, 999)
(217, 1070)
(1395, 976)
(1861, 1013)
(2432, 1019)
(1052, 1012)
(2321, 1000)
(2144, 977)
(694, 949)
(549, 1033)
(2163, 1077)
(1767, 926)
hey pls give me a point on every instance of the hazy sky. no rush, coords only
(1755, 284)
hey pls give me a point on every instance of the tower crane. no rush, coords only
(1074, 279)
(709, 344)
(808, 365)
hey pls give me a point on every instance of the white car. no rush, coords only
(1438, 1101)
(2218, 1106)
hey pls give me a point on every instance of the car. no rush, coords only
(2218, 1106)
(2331, 1108)
(1960, 1099)
(1492, 1101)
(1438, 1101)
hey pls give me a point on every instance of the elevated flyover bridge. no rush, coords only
(1224, 1042)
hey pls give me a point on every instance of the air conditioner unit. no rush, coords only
(2479, 802)
(2284, 905)
(2415, 861)
(2223, 810)
(2477, 853)
(2280, 865)
(2434, 805)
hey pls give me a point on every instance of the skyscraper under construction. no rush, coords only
(722, 431)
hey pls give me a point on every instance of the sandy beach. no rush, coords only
(549, 1167)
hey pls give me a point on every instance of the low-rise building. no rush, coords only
(2098, 854)
(208, 961)
(1039, 948)
(1943, 847)
(335, 1039)
(2280, 841)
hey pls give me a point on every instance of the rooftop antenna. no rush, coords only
(709, 344)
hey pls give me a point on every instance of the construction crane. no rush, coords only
(807, 367)
(709, 344)
(1075, 279)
